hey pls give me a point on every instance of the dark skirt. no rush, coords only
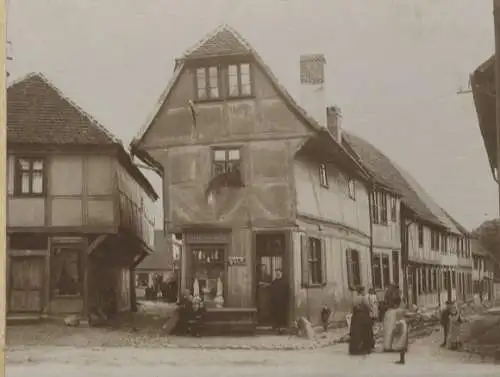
(361, 334)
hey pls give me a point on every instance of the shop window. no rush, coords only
(208, 268)
(353, 268)
(377, 272)
(66, 271)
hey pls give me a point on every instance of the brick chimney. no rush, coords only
(334, 122)
(312, 88)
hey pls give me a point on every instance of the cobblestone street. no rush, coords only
(424, 359)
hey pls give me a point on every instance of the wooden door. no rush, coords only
(270, 251)
(27, 284)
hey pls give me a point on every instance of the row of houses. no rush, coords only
(253, 182)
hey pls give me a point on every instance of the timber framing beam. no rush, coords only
(95, 243)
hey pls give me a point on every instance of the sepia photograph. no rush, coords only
(250, 187)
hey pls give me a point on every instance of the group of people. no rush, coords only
(366, 311)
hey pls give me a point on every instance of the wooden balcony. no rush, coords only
(133, 218)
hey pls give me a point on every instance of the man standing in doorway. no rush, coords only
(279, 302)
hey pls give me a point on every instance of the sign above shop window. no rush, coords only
(236, 261)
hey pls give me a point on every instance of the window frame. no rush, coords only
(375, 211)
(314, 261)
(420, 233)
(354, 278)
(235, 163)
(384, 218)
(323, 175)
(208, 97)
(239, 76)
(351, 188)
(197, 265)
(18, 176)
(385, 265)
(394, 208)
(377, 271)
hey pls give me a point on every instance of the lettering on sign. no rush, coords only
(236, 261)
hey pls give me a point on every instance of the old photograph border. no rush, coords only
(3, 184)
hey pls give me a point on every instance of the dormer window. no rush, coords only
(207, 83)
(239, 83)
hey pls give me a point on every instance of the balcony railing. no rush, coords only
(134, 218)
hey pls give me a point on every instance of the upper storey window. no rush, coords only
(207, 83)
(223, 81)
(29, 177)
(239, 84)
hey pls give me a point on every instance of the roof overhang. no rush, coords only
(323, 147)
(483, 91)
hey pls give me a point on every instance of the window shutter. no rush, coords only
(323, 261)
(356, 268)
(304, 257)
(348, 267)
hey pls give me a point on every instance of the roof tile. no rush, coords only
(37, 112)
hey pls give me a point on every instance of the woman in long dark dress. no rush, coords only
(360, 342)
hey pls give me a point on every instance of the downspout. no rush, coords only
(404, 253)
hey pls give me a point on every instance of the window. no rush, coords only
(28, 241)
(377, 272)
(421, 236)
(353, 268)
(394, 209)
(386, 270)
(226, 160)
(444, 243)
(453, 280)
(435, 282)
(66, 271)
(207, 83)
(375, 208)
(323, 175)
(435, 240)
(351, 188)
(395, 267)
(142, 280)
(208, 268)
(383, 208)
(425, 286)
(419, 280)
(313, 261)
(29, 178)
(315, 270)
(239, 80)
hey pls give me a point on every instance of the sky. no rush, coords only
(393, 67)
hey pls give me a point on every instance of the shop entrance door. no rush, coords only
(270, 260)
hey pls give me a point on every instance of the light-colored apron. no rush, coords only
(390, 319)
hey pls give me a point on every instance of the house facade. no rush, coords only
(254, 183)
(292, 199)
(428, 237)
(77, 206)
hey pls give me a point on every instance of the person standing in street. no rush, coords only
(445, 321)
(373, 302)
(279, 302)
(361, 340)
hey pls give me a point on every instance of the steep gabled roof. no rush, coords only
(227, 36)
(38, 113)
(222, 41)
(387, 173)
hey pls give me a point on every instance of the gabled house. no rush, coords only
(435, 258)
(255, 183)
(77, 221)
